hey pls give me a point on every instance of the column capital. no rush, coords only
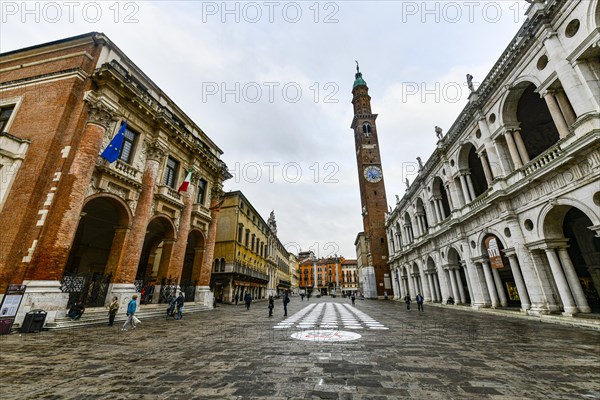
(479, 259)
(510, 252)
(101, 110)
(547, 244)
(155, 150)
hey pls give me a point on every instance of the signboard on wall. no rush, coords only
(493, 250)
(9, 307)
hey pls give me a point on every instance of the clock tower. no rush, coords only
(372, 189)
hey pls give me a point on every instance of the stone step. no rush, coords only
(99, 316)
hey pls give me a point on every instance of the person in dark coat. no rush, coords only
(286, 300)
(420, 302)
(237, 297)
(407, 300)
(76, 310)
(248, 300)
(271, 305)
(179, 303)
(353, 298)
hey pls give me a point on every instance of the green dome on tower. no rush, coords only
(358, 79)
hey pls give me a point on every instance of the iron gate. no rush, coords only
(90, 288)
(168, 287)
(145, 288)
(189, 289)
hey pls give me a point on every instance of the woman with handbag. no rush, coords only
(131, 307)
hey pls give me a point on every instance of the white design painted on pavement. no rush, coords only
(330, 316)
(326, 336)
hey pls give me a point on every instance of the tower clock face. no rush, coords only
(373, 174)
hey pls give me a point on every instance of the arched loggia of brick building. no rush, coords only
(573, 253)
(96, 249)
(194, 254)
(157, 249)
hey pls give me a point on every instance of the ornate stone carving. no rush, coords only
(100, 114)
(117, 190)
(155, 151)
(470, 83)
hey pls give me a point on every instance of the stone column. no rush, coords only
(450, 201)
(502, 158)
(438, 212)
(469, 286)
(436, 284)
(461, 289)
(521, 288)
(561, 283)
(499, 288)
(565, 107)
(395, 287)
(411, 285)
(203, 293)
(571, 84)
(431, 288)
(465, 189)
(176, 266)
(557, 117)
(424, 283)
(486, 168)
(521, 146)
(573, 280)
(491, 154)
(512, 149)
(441, 206)
(471, 188)
(489, 280)
(455, 292)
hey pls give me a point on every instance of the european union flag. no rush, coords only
(112, 151)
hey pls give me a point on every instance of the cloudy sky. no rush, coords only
(270, 83)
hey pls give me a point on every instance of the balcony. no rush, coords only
(242, 270)
(170, 195)
(547, 157)
(127, 170)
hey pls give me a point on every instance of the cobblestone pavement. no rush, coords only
(231, 353)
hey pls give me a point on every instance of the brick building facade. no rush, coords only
(75, 226)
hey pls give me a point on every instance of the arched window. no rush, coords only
(367, 129)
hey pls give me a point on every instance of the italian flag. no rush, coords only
(186, 182)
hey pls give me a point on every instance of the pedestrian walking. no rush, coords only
(131, 308)
(271, 305)
(172, 302)
(248, 300)
(112, 311)
(353, 298)
(420, 302)
(237, 297)
(286, 300)
(407, 300)
(179, 303)
(302, 296)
